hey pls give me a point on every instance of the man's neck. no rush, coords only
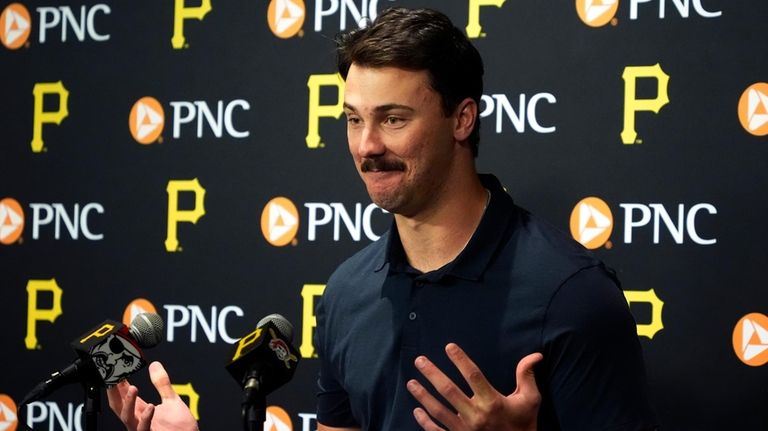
(438, 235)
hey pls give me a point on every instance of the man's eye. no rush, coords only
(391, 120)
(127, 360)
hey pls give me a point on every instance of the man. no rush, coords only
(461, 266)
(439, 324)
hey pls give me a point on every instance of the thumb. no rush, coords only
(526, 380)
(161, 381)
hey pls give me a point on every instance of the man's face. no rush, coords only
(400, 139)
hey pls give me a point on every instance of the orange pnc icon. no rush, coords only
(591, 222)
(15, 26)
(279, 221)
(285, 17)
(750, 339)
(11, 221)
(136, 307)
(8, 419)
(146, 120)
(596, 13)
(753, 109)
(277, 419)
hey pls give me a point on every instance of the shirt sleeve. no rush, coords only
(333, 405)
(593, 372)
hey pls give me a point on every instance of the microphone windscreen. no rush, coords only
(147, 329)
(282, 324)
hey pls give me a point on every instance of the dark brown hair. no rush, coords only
(419, 39)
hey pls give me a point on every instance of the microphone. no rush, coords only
(261, 362)
(106, 354)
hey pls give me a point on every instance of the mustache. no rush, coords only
(377, 164)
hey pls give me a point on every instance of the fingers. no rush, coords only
(433, 406)
(115, 396)
(146, 418)
(161, 381)
(128, 412)
(424, 421)
(470, 371)
(526, 380)
(444, 385)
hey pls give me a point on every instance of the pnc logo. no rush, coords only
(76, 222)
(277, 419)
(592, 222)
(361, 12)
(285, 17)
(280, 221)
(597, 13)
(11, 221)
(15, 26)
(750, 339)
(8, 419)
(146, 120)
(521, 112)
(193, 321)
(753, 109)
(136, 307)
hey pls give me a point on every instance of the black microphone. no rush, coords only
(261, 362)
(106, 354)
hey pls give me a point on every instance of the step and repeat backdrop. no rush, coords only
(188, 157)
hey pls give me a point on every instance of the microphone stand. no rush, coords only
(92, 403)
(254, 404)
(91, 385)
(254, 413)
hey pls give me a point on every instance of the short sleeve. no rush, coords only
(333, 406)
(593, 370)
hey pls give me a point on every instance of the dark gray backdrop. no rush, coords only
(693, 151)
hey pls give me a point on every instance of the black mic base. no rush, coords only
(92, 405)
(254, 410)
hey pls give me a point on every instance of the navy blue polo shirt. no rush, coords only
(519, 286)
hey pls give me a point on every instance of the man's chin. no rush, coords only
(385, 201)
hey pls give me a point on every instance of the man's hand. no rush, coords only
(172, 414)
(486, 409)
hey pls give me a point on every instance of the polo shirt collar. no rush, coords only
(471, 263)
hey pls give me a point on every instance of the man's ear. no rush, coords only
(466, 116)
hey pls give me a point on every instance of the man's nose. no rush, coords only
(371, 144)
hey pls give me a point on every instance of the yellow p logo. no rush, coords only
(657, 305)
(41, 117)
(309, 320)
(474, 29)
(245, 342)
(35, 314)
(632, 104)
(316, 110)
(187, 390)
(175, 215)
(181, 13)
(104, 330)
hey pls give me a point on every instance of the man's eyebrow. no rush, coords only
(382, 108)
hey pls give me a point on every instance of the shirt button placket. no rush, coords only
(418, 285)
